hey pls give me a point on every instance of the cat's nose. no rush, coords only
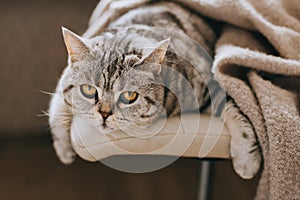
(105, 115)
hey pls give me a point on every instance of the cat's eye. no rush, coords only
(88, 91)
(128, 97)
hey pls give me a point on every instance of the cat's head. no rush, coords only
(113, 81)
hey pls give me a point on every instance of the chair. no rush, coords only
(189, 135)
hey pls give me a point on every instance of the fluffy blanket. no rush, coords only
(257, 62)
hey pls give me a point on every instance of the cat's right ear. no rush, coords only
(76, 47)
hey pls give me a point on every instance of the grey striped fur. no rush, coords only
(110, 62)
(155, 51)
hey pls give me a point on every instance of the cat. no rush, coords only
(118, 78)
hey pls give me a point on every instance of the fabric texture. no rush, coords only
(257, 62)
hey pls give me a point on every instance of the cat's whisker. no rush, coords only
(49, 93)
(43, 114)
(60, 122)
(79, 113)
(62, 117)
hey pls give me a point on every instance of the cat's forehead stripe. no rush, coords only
(113, 70)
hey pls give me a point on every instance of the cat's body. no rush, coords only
(132, 74)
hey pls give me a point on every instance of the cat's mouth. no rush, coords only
(105, 128)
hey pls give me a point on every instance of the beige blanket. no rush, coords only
(257, 62)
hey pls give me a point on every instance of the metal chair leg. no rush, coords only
(204, 180)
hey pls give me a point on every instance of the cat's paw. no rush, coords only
(246, 157)
(64, 151)
(244, 149)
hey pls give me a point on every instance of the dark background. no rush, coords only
(32, 57)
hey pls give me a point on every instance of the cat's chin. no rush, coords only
(106, 129)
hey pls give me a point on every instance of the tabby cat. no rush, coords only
(118, 78)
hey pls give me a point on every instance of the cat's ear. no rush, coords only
(76, 47)
(157, 55)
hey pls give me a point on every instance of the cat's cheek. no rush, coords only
(92, 121)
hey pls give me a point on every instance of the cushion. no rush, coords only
(189, 135)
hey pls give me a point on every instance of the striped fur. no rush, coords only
(125, 43)
(170, 76)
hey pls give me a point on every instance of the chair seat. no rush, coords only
(189, 135)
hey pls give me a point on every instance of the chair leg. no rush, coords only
(204, 180)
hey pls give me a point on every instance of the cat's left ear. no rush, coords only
(76, 47)
(157, 55)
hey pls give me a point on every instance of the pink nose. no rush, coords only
(105, 115)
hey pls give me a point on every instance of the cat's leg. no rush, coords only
(244, 148)
(60, 121)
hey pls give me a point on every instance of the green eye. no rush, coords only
(128, 97)
(88, 91)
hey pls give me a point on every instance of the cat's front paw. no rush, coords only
(246, 157)
(244, 148)
(64, 151)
